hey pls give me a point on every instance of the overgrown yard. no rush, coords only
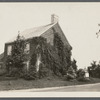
(15, 84)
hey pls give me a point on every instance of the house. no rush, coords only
(47, 32)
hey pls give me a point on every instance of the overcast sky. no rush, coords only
(79, 22)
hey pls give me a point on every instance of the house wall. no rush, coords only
(49, 36)
(28, 56)
(58, 29)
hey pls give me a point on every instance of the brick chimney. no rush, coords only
(54, 18)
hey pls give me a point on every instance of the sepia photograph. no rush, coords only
(49, 49)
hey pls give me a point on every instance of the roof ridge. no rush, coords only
(39, 26)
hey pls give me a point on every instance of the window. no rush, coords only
(27, 48)
(9, 49)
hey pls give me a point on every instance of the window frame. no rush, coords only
(9, 50)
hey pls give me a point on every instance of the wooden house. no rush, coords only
(47, 32)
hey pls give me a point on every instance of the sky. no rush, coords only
(79, 22)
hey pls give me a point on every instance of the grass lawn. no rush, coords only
(40, 83)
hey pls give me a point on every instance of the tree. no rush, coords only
(93, 64)
(94, 69)
(17, 58)
(74, 64)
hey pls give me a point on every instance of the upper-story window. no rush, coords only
(27, 48)
(9, 49)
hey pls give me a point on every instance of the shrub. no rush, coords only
(81, 76)
(71, 74)
(69, 77)
(83, 79)
(31, 74)
(14, 72)
(43, 71)
(2, 72)
(81, 73)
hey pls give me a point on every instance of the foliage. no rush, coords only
(81, 73)
(15, 62)
(54, 59)
(74, 66)
(83, 79)
(94, 70)
(49, 57)
(43, 71)
(2, 72)
(71, 74)
(72, 71)
(81, 76)
(59, 45)
(31, 74)
(93, 64)
(18, 54)
(63, 53)
(50, 61)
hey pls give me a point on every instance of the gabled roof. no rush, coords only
(41, 31)
(33, 32)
